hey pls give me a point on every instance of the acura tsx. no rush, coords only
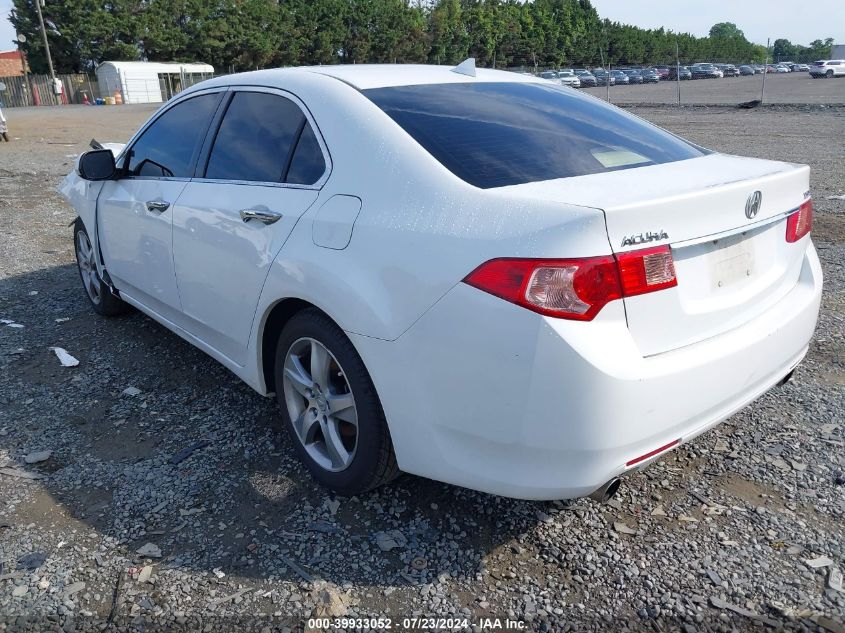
(474, 276)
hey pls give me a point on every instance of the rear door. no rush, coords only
(135, 212)
(260, 170)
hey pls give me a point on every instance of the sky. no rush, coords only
(7, 33)
(759, 19)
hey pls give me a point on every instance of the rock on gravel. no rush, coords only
(37, 457)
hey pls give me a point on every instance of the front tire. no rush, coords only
(829, 74)
(330, 407)
(98, 292)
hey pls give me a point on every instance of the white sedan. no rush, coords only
(474, 276)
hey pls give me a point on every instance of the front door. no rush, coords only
(135, 211)
(263, 170)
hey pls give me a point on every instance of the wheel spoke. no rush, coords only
(306, 427)
(84, 251)
(320, 361)
(342, 407)
(336, 451)
(93, 286)
(298, 376)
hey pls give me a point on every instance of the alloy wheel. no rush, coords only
(320, 404)
(88, 267)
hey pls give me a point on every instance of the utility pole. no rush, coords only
(606, 76)
(38, 4)
(678, 70)
(765, 71)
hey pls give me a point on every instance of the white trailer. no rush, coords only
(149, 82)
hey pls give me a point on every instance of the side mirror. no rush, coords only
(98, 164)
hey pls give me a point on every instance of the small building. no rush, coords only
(149, 82)
(11, 63)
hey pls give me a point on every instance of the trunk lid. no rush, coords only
(730, 268)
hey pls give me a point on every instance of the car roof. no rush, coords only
(366, 76)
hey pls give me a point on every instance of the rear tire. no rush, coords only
(98, 292)
(330, 407)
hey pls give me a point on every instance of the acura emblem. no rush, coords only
(752, 205)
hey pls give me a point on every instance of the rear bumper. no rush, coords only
(487, 395)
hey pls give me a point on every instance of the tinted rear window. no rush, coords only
(497, 134)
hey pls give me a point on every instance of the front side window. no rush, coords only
(508, 133)
(256, 138)
(168, 147)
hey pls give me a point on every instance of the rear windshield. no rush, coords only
(498, 134)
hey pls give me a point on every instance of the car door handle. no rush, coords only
(267, 217)
(157, 206)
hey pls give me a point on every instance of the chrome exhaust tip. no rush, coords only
(606, 492)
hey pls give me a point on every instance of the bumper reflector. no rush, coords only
(656, 451)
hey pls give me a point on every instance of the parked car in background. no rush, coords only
(620, 77)
(827, 68)
(728, 70)
(800, 68)
(546, 294)
(551, 75)
(588, 79)
(705, 71)
(604, 78)
(650, 76)
(684, 72)
(746, 70)
(568, 77)
(663, 71)
(759, 69)
(634, 76)
(783, 67)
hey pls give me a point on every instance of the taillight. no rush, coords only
(646, 270)
(799, 223)
(575, 288)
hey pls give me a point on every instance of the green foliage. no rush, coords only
(235, 35)
(784, 50)
(727, 30)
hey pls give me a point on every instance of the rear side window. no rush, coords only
(256, 138)
(308, 164)
(168, 147)
(509, 133)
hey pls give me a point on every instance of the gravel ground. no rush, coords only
(782, 88)
(169, 499)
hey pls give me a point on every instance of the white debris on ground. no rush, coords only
(64, 357)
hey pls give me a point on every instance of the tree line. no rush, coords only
(237, 35)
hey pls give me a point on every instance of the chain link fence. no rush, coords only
(719, 80)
